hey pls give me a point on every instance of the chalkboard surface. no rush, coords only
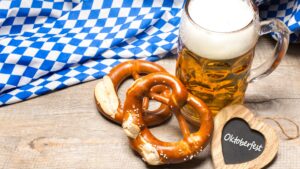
(241, 140)
(240, 143)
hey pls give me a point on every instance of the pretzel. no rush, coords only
(153, 150)
(108, 102)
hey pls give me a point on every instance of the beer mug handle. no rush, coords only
(282, 35)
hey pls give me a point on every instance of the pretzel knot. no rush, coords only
(153, 150)
(108, 102)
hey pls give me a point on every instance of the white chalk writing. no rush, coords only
(243, 143)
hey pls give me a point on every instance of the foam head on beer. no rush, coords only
(219, 29)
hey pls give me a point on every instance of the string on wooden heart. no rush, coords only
(276, 120)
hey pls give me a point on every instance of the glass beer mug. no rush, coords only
(217, 41)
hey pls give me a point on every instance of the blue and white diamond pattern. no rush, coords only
(46, 45)
(286, 10)
(50, 45)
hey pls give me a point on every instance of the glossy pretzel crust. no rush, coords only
(153, 150)
(108, 103)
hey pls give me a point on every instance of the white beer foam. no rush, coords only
(208, 35)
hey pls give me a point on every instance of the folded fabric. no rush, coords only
(49, 45)
(286, 10)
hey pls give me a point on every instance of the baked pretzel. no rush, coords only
(108, 102)
(153, 150)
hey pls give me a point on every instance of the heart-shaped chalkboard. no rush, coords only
(242, 141)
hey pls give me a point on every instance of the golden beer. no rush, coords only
(217, 82)
(217, 40)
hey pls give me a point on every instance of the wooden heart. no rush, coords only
(240, 143)
(240, 140)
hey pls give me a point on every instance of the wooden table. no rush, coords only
(64, 130)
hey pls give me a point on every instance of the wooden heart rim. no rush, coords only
(239, 111)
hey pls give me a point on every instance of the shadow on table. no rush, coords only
(272, 162)
(200, 161)
(294, 49)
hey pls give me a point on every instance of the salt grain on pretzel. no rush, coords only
(153, 150)
(107, 99)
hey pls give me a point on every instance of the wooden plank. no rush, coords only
(64, 130)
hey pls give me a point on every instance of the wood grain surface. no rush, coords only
(64, 130)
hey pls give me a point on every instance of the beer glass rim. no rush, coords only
(253, 6)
